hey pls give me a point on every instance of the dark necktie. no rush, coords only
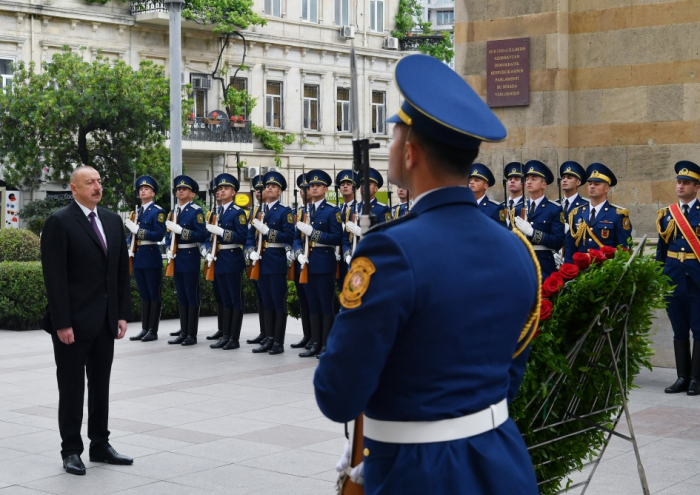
(177, 211)
(138, 214)
(221, 209)
(532, 208)
(97, 231)
(685, 211)
(313, 212)
(566, 206)
(592, 216)
(510, 204)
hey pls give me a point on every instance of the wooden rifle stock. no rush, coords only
(304, 273)
(290, 272)
(132, 247)
(209, 267)
(356, 457)
(255, 268)
(170, 269)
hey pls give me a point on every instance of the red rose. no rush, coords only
(545, 309)
(582, 260)
(552, 285)
(557, 275)
(597, 255)
(608, 251)
(568, 271)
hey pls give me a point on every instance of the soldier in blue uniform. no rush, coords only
(513, 172)
(258, 187)
(206, 249)
(572, 176)
(435, 409)
(380, 210)
(347, 184)
(231, 229)
(323, 230)
(679, 250)
(402, 208)
(301, 293)
(189, 229)
(277, 228)
(148, 231)
(480, 179)
(544, 226)
(599, 223)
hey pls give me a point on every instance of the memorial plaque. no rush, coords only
(508, 72)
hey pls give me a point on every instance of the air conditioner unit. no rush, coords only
(347, 32)
(201, 83)
(391, 43)
(250, 172)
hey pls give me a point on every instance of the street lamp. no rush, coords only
(175, 10)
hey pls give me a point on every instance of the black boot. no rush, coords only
(236, 324)
(316, 324)
(267, 342)
(261, 335)
(153, 322)
(694, 387)
(681, 348)
(173, 334)
(306, 327)
(226, 325)
(145, 313)
(280, 330)
(219, 322)
(192, 325)
(183, 326)
(327, 325)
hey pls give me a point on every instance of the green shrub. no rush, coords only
(35, 213)
(19, 245)
(22, 295)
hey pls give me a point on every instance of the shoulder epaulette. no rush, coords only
(237, 207)
(157, 206)
(495, 202)
(195, 206)
(555, 202)
(283, 205)
(620, 210)
(663, 211)
(379, 203)
(575, 210)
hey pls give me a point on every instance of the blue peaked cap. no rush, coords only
(439, 104)
(275, 178)
(318, 176)
(257, 182)
(597, 172)
(573, 168)
(227, 180)
(687, 170)
(186, 181)
(536, 167)
(374, 176)
(146, 180)
(482, 172)
(301, 182)
(513, 169)
(346, 176)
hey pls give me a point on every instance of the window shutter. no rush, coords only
(313, 10)
(268, 111)
(307, 114)
(381, 119)
(380, 16)
(372, 15)
(346, 116)
(268, 7)
(305, 9)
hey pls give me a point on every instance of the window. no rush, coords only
(342, 12)
(272, 7)
(378, 112)
(376, 15)
(309, 10)
(273, 105)
(241, 84)
(445, 17)
(200, 87)
(310, 107)
(6, 73)
(343, 110)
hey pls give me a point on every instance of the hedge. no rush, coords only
(23, 297)
(19, 245)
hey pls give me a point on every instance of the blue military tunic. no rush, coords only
(148, 262)
(399, 351)
(235, 224)
(381, 211)
(187, 259)
(399, 211)
(490, 208)
(611, 227)
(504, 211)
(548, 222)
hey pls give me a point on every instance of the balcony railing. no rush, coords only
(411, 43)
(145, 7)
(223, 132)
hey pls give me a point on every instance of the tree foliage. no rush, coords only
(409, 20)
(103, 114)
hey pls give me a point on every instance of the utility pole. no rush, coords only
(175, 11)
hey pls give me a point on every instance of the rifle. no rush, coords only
(558, 176)
(209, 269)
(290, 272)
(388, 186)
(253, 215)
(304, 274)
(132, 246)
(523, 210)
(170, 269)
(505, 186)
(337, 203)
(255, 266)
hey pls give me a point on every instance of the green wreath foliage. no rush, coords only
(574, 309)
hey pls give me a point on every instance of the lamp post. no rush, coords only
(175, 10)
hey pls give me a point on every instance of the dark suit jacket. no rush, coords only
(82, 284)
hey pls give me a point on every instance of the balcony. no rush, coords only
(411, 43)
(156, 13)
(222, 137)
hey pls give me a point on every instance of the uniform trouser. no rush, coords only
(273, 290)
(261, 306)
(217, 292)
(301, 294)
(547, 263)
(187, 286)
(684, 311)
(149, 281)
(231, 288)
(94, 358)
(320, 291)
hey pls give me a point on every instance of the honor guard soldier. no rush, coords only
(380, 210)
(322, 232)
(147, 232)
(679, 250)
(513, 172)
(231, 229)
(480, 179)
(572, 176)
(402, 208)
(544, 226)
(435, 409)
(277, 229)
(347, 183)
(599, 223)
(205, 248)
(258, 186)
(187, 225)
(301, 293)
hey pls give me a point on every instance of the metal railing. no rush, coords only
(411, 43)
(145, 7)
(223, 132)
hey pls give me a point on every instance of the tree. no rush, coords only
(103, 114)
(409, 17)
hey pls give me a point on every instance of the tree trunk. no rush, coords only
(82, 143)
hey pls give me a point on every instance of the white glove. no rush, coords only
(337, 256)
(254, 256)
(305, 228)
(173, 227)
(348, 259)
(213, 229)
(524, 226)
(290, 256)
(357, 474)
(169, 254)
(131, 226)
(344, 460)
(557, 259)
(302, 260)
(262, 228)
(354, 228)
(209, 257)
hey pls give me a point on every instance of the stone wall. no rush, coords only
(615, 81)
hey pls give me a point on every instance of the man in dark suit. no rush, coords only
(86, 272)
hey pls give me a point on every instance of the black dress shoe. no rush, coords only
(139, 336)
(220, 344)
(257, 339)
(150, 336)
(73, 465)
(315, 348)
(179, 340)
(231, 344)
(175, 334)
(265, 346)
(681, 385)
(321, 352)
(301, 343)
(110, 456)
(277, 348)
(190, 340)
(217, 335)
(309, 345)
(694, 387)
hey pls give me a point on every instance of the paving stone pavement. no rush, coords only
(201, 421)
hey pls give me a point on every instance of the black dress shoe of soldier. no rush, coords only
(321, 352)
(315, 348)
(190, 340)
(256, 340)
(110, 456)
(175, 334)
(220, 344)
(681, 385)
(141, 335)
(301, 343)
(150, 336)
(179, 340)
(277, 348)
(217, 335)
(694, 387)
(265, 346)
(73, 465)
(231, 344)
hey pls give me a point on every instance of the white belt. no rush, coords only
(538, 247)
(437, 431)
(187, 246)
(147, 243)
(322, 245)
(230, 246)
(275, 245)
